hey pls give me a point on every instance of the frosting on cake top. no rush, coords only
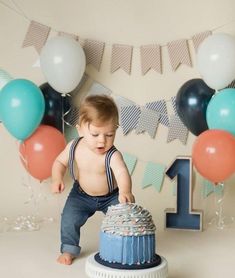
(127, 220)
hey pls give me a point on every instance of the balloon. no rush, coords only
(213, 155)
(39, 151)
(191, 104)
(62, 61)
(220, 112)
(216, 60)
(56, 107)
(22, 107)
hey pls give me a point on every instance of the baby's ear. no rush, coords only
(79, 130)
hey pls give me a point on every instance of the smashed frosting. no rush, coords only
(128, 220)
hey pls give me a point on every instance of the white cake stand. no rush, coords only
(96, 270)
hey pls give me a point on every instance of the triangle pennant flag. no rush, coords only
(148, 122)
(177, 130)
(121, 57)
(129, 117)
(36, 35)
(153, 175)
(94, 52)
(151, 58)
(130, 161)
(179, 53)
(160, 107)
(199, 38)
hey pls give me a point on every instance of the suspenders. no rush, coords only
(108, 169)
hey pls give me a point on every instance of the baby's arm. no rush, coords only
(58, 170)
(122, 177)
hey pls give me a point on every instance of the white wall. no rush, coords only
(132, 22)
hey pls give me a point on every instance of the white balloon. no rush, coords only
(216, 60)
(63, 63)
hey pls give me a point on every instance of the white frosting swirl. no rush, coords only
(128, 220)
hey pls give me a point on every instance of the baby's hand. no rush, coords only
(57, 186)
(126, 198)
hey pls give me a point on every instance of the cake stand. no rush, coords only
(96, 270)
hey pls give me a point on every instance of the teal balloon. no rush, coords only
(220, 113)
(22, 107)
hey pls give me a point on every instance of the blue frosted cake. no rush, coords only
(127, 236)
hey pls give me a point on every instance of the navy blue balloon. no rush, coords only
(191, 104)
(56, 106)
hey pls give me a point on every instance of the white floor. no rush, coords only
(189, 254)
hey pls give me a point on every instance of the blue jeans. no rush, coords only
(78, 208)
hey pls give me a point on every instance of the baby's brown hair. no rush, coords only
(98, 109)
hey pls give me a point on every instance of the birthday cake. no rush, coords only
(127, 238)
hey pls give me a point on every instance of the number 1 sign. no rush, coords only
(183, 217)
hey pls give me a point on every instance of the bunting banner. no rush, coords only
(94, 53)
(179, 53)
(129, 118)
(177, 130)
(122, 102)
(148, 121)
(69, 35)
(173, 104)
(36, 35)
(199, 38)
(130, 161)
(153, 175)
(151, 58)
(97, 88)
(208, 188)
(121, 57)
(160, 107)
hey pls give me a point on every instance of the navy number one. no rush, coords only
(183, 217)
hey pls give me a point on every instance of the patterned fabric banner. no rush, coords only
(94, 52)
(208, 188)
(65, 34)
(177, 130)
(199, 38)
(148, 122)
(130, 161)
(160, 107)
(173, 103)
(121, 57)
(122, 102)
(129, 118)
(179, 53)
(153, 175)
(97, 88)
(151, 58)
(36, 35)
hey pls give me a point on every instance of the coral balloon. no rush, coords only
(39, 151)
(213, 155)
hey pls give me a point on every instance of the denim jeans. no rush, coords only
(78, 208)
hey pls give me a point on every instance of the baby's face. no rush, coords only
(99, 138)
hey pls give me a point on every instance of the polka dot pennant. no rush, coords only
(177, 130)
(159, 106)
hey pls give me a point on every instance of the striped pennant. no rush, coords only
(199, 38)
(151, 58)
(177, 130)
(122, 102)
(148, 122)
(129, 117)
(160, 107)
(68, 35)
(36, 35)
(130, 161)
(232, 84)
(97, 88)
(153, 175)
(71, 118)
(94, 52)
(179, 53)
(173, 103)
(121, 57)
